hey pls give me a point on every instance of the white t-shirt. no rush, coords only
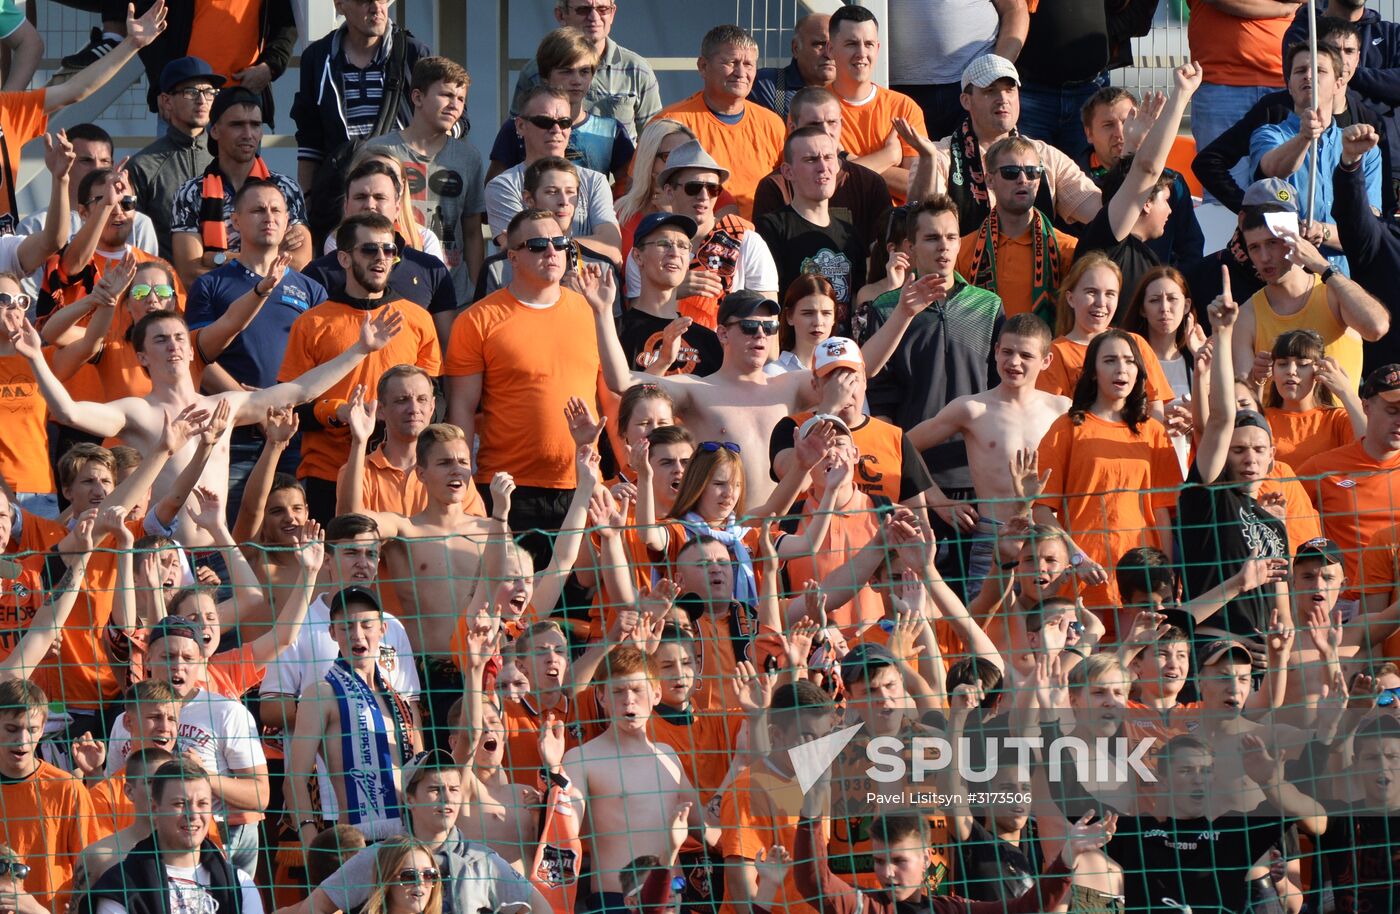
(755, 269)
(308, 659)
(187, 894)
(431, 243)
(505, 196)
(219, 729)
(143, 230)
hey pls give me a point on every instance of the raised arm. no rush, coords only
(1219, 427)
(350, 493)
(58, 603)
(599, 288)
(914, 298)
(1151, 157)
(140, 32)
(311, 553)
(549, 583)
(279, 429)
(104, 419)
(216, 337)
(36, 248)
(167, 509)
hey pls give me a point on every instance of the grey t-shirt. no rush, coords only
(477, 878)
(444, 189)
(505, 196)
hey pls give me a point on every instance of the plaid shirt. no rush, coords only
(624, 88)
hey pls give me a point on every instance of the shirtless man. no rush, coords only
(629, 783)
(995, 425)
(371, 804)
(99, 857)
(164, 348)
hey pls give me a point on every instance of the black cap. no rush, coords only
(744, 304)
(863, 660)
(339, 603)
(174, 627)
(1319, 547)
(1246, 418)
(1383, 382)
(226, 99)
(653, 221)
(1213, 651)
(183, 69)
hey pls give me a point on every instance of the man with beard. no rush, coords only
(366, 248)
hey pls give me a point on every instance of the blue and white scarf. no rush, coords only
(732, 536)
(369, 760)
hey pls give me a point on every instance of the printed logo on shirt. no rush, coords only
(1344, 483)
(835, 267)
(685, 363)
(719, 253)
(17, 393)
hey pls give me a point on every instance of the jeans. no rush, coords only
(1053, 114)
(940, 105)
(244, 447)
(43, 504)
(1215, 109)
(241, 845)
(981, 556)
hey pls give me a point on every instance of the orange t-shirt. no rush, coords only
(866, 126)
(760, 809)
(1100, 474)
(22, 118)
(47, 819)
(880, 470)
(326, 331)
(1299, 516)
(704, 743)
(24, 448)
(227, 34)
(1015, 266)
(112, 809)
(521, 720)
(1300, 435)
(1236, 51)
(1067, 363)
(1356, 496)
(750, 149)
(532, 360)
(851, 528)
(1380, 572)
(384, 487)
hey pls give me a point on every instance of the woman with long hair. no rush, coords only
(1160, 313)
(1108, 445)
(889, 259)
(406, 879)
(418, 237)
(807, 317)
(1301, 403)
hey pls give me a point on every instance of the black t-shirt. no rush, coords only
(990, 869)
(913, 473)
(862, 198)
(640, 336)
(836, 251)
(1218, 528)
(1067, 43)
(1197, 862)
(1132, 255)
(1362, 857)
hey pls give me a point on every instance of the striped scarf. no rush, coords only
(213, 230)
(1045, 262)
(370, 762)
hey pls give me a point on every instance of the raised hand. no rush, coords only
(639, 459)
(916, 297)
(1147, 628)
(913, 138)
(1027, 483)
(811, 449)
(772, 864)
(209, 512)
(753, 689)
(657, 599)
(84, 531)
(1187, 77)
(111, 521)
(58, 153)
(1141, 119)
(1261, 766)
(378, 330)
(88, 755)
(552, 742)
(903, 637)
(1279, 637)
(502, 485)
(1304, 253)
(797, 643)
(116, 278)
(275, 273)
(669, 349)
(218, 423)
(310, 549)
(1180, 420)
(1357, 140)
(1224, 311)
(587, 463)
(281, 424)
(177, 430)
(1084, 837)
(582, 426)
(700, 281)
(597, 286)
(361, 415)
(897, 270)
(141, 32)
(680, 828)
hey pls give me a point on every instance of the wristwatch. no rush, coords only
(1327, 274)
(220, 258)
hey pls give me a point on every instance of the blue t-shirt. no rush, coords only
(255, 355)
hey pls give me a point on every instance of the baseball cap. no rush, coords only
(183, 69)
(818, 419)
(654, 221)
(1214, 651)
(1272, 190)
(1384, 382)
(744, 304)
(1246, 418)
(425, 763)
(987, 69)
(1319, 547)
(174, 627)
(226, 99)
(863, 660)
(339, 603)
(836, 352)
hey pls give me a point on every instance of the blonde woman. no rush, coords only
(406, 879)
(659, 137)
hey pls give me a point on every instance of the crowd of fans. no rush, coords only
(437, 532)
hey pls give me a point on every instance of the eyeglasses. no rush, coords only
(383, 249)
(127, 203)
(754, 328)
(544, 122)
(709, 447)
(412, 877)
(693, 188)
(15, 869)
(666, 247)
(1388, 698)
(602, 10)
(542, 244)
(1032, 172)
(195, 93)
(10, 302)
(142, 290)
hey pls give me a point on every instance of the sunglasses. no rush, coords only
(15, 869)
(142, 290)
(413, 877)
(16, 302)
(381, 249)
(710, 447)
(542, 244)
(1388, 698)
(127, 203)
(754, 328)
(544, 123)
(693, 188)
(1032, 172)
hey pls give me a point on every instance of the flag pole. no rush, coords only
(1312, 147)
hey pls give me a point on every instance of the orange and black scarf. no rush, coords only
(967, 178)
(212, 229)
(1045, 261)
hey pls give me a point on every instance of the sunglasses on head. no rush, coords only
(17, 302)
(750, 327)
(1032, 172)
(142, 290)
(127, 203)
(709, 447)
(14, 868)
(541, 244)
(378, 249)
(693, 188)
(544, 122)
(428, 875)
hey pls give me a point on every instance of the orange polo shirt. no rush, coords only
(1015, 266)
(1356, 496)
(384, 487)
